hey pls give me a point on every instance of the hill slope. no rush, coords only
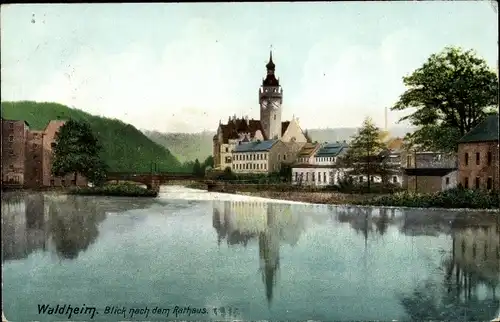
(185, 146)
(124, 147)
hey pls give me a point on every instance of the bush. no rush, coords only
(117, 190)
(453, 198)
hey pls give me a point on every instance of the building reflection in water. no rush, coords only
(471, 272)
(64, 225)
(270, 224)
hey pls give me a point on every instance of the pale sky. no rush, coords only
(182, 67)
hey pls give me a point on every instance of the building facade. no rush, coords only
(318, 164)
(428, 171)
(268, 128)
(478, 156)
(27, 156)
(14, 136)
(262, 156)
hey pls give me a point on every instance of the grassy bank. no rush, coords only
(453, 198)
(115, 190)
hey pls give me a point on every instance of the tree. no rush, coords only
(363, 155)
(209, 162)
(76, 150)
(450, 94)
(197, 169)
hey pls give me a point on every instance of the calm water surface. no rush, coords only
(261, 259)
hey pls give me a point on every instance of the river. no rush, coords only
(195, 255)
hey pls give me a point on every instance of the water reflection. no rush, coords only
(240, 222)
(65, 225)
(471, 274)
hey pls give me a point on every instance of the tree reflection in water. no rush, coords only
(74, 225)
(31, 220)
(472, 265)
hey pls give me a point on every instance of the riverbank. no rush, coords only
(115, 190)
(457, 199)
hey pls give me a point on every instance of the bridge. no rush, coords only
(153, 181)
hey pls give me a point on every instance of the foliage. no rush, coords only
(453, 198)
(451, 93)
(124, 147)
(76, 150)
(208, 163)
(117, 190)
(198, 170)
(364, 156)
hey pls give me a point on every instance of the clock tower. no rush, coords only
(270, 100)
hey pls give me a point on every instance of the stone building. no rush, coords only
(269, 127)
(27, 156)
(478, 156)
(14, 136)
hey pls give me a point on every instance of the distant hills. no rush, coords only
(191, 146)
(125, 148)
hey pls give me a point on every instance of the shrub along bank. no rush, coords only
(115, 190)
(453, 198)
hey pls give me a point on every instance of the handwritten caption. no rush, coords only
(70, 311)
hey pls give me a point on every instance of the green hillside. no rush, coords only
(124, 147)
(185, 146)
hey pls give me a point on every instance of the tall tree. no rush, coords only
(197, 169)
(209, 162)
(364, 154)
(450, 94)
(76, 150)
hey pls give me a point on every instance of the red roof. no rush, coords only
(232, 129)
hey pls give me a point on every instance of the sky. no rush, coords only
(184, 67)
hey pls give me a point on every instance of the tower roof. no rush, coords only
(270, 65)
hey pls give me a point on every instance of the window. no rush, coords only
(395, 179)
(478, 157)
(489, 158)
(360, 179)
(466, 158)
(319, 177)
(408, 161)
(275, 117)
(477, 182)
(296, 176)
(372, 179)
(279, 157)
(307, 176)
(324, 176)
(447, 180)
(466, 183)
(11, 138)
(11, 125)
(73, 182)
(284, 157)
(489, 183)
(313, 177)
(11, 152)
(52, 182)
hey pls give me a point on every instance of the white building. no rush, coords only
(319, 168)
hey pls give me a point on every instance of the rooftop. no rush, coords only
(486, 131)
(308, 149)
(258, 146)
(331, 149)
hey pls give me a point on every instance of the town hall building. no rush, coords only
(259, 145)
